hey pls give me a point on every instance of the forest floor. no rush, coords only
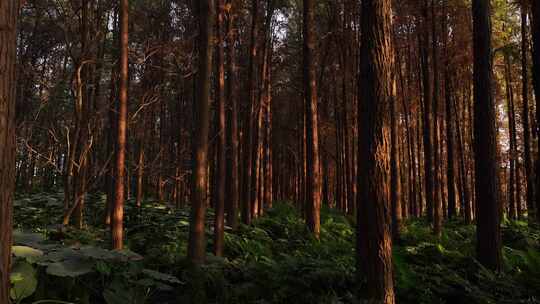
(273, 261)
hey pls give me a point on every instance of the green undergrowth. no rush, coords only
(275, 260)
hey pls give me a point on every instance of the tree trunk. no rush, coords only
(117, 218)
(426, 81)
(488, 246)
(314, 182)
(529, 175)
(373, 231)
(9, 11)
(197, 244)
(222, 139)
(437, 202)
(234, 180)
(535, 25)
(250, 119)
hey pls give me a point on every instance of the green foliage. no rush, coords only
(275, 260)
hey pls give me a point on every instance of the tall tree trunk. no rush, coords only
(9, 11)
(426, 82)
(437, 202)
(250, 119)
(395, 185)
(373, 231)
(488, 243)
(513, 181)
(314, 181)
(234, 179)
(197, 244)
(450, 136)
(117, 218)
(536, 85)
(222, 139)
(529, 174)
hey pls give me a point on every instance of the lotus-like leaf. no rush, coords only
(70, 268)
(30, 254)
(23, 280)
(27, 238)
(99, 253)
(156, 275)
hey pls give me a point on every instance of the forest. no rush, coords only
(269, 151)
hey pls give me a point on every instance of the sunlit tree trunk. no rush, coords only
(197, 244)
(373, 231)
(117, 216)
(222, 139)
(314, 181)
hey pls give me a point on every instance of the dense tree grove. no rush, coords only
(199, 134)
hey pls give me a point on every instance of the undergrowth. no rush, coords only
(275, 260)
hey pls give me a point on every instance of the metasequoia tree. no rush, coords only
(488, 244)
(117, 215)
(535, 32)
(9, 11)
(222, 139)
(197, 244)
(525, 111)
(374, 107)
(233, 178)
(314, 180)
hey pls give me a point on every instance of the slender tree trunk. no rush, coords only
(197, 244)
(234, 180)
(450, 136)
(513, 181)
(117, 219)
(488, 244)
(535, 26)
(250, 117)
(395, 185)
(9, 11)
(426, 81)
(529, 174)
(373, 231)
(314, 181)
(437, 202)
(222, 140)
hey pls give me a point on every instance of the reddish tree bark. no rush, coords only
(374, 240)
(314, 181)
(197, 244)
(9, 11)
(117, 217)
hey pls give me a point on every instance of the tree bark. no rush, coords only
(222, 139)
(426, 81)
(117, 218)
(488, 246)
(529, 176)
(232, 96)
(314, 181)
(535, 26)
(9, 11)
(197, 244)
(374, 240)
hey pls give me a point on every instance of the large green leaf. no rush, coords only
(27, 238)
(28, 253)
(161, 276)
(70, 268)
(23, 280)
